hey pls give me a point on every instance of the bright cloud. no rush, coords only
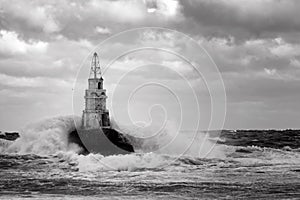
(284, 49)
(10, 43)
(168, 8)
(102, 30)
(270, 72)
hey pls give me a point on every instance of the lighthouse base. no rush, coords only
(105, 141)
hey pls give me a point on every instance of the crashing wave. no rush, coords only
(51, 137)
(46, 137)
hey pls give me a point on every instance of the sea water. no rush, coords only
(42, 164)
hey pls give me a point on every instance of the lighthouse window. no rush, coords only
(99, 85)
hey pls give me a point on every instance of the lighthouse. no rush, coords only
(96, 134)
(95, 115)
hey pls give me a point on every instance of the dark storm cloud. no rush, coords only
(243, 18)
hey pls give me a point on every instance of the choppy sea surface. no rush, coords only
(43, 164)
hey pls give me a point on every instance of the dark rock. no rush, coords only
(9, 136)
(103, 145)
(118, 139)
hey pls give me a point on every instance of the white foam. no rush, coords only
(45, 137)
(129, 162)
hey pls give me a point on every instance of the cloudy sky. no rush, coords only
(254, 44)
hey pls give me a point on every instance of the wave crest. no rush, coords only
(46, 137)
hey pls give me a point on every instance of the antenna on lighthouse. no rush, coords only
(95, 66)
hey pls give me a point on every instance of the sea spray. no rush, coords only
(170, 141)
(4, 144)
(45, 137)
(50, 137)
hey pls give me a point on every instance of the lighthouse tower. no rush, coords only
(95, 115)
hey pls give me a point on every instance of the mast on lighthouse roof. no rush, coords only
(95, 114)
(95, 66)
